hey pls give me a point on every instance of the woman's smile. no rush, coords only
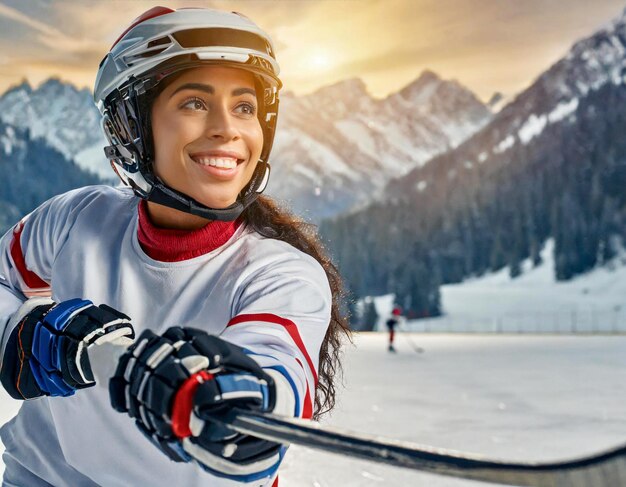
(221, 164)
(221, 168)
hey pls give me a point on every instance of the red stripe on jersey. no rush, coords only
(275, 484)
(31, 279)
(307, 408)
(289, 325)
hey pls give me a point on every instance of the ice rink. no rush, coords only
(516, 397)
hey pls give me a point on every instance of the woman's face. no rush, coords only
(207, 137)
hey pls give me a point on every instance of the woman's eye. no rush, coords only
(247, 108)
(194, 104)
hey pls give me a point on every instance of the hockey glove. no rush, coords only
(46, 352)
(173, 385)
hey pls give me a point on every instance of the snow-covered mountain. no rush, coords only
(334, 148)
(33, 172)
(64, 116)
(554, 96)
(552, 99)
(339, 146)
(550, 164)
(498, 101)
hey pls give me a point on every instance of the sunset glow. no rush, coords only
(319, 61)
(486, 45)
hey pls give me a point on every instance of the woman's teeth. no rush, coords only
(225, 163)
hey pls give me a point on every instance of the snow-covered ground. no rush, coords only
(533, 302)
(516, 397)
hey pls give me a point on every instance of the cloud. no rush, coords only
(58, 43)
(41, 27)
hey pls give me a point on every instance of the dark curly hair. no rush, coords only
(268, 219)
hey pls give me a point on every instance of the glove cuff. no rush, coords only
(27, 307)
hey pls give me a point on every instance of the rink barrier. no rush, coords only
(587, 321)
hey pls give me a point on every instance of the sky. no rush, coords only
(487, 45)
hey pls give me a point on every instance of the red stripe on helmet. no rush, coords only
(147, 15)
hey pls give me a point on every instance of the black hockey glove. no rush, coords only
(46, 352)
(173, 385)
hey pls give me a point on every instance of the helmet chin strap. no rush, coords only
(166, 196)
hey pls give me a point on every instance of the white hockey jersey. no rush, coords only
(260, 293)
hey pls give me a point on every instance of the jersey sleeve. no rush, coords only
(27, 253)
(281, 318)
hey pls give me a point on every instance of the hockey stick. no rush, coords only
(415, 348)
(402, 327)
(606, 469)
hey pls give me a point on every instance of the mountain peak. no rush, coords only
(423, 87)
(349, 85)
(426, 86)
(55, 83)
(24, 85)
(341, 97)
(428, 76)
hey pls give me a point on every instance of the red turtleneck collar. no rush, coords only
(171, 245)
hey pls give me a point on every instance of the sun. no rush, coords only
(320, 60)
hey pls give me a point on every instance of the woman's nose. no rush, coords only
(220, 125)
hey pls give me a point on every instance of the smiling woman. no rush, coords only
(208, 139)
(234, 300)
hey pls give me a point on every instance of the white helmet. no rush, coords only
(157, 44)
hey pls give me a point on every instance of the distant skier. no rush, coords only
(392, 322)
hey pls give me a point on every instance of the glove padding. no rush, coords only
(46, 353)
(175, 384)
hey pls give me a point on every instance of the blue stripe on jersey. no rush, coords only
(267, 473)
(283, 371)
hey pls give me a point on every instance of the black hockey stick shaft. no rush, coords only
(412, 344)
(607, 469)
(409, 340)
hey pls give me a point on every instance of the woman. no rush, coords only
(233, 300)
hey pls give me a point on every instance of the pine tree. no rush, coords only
(370, 315)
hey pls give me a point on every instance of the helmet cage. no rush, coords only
(127, 125)
(161, 43)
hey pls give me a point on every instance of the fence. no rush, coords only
(590, 320)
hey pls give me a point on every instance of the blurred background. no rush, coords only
(464, 160)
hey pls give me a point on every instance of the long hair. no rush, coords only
(268, 219)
